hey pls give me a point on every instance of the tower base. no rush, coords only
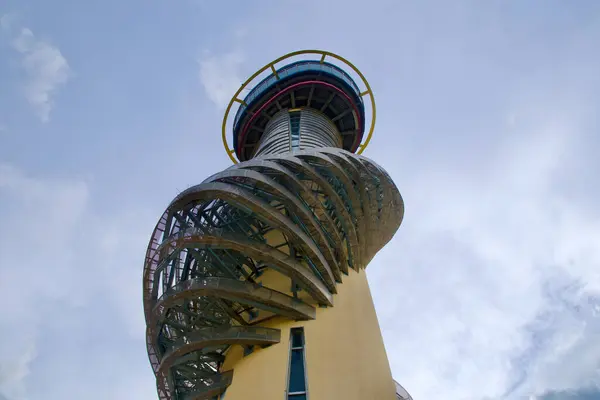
(345, 356)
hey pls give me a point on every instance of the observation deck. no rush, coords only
(308, 84)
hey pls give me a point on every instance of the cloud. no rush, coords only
(581, 394)
(45, 67)
(7, 21)
(14, 371)
(220, 76)
(564, 351)
(39, 218)
(72, 278)
(495, 269)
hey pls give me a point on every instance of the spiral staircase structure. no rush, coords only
(301, 204)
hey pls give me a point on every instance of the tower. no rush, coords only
(254, 284)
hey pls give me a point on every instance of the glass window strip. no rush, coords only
(297, 388)
(294, 121)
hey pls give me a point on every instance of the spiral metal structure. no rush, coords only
(401, 393)
(302, 205)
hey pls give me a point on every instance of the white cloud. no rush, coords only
(63, 270)
(12, 372)
(507, 239)
(7, 21)
(39, 218)
(567, 357)
(45, 67)
(220, 76)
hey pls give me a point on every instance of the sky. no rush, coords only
(487, 120)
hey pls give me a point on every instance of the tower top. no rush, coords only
(305, 81)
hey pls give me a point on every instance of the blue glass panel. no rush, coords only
(297, 372)
(297, 397)
(297, 338)
(295, 128)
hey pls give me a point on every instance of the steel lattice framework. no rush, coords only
(310, 213)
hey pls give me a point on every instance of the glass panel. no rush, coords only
(297, 372)
(295, 128)
(297, 338)
(297, 396)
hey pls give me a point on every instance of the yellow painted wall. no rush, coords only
(345, 356)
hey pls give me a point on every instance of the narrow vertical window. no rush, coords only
(295, 129)
(297, 378)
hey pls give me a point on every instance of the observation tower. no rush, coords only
(254, 280)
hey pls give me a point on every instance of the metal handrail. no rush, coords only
(242, 288)
(260, 334)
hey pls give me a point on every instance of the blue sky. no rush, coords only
(487, 121)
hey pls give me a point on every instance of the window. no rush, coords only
(295, 129)
(297, 378)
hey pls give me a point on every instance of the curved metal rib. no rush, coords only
(235, 290)
(319, 213)
(202, 338)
